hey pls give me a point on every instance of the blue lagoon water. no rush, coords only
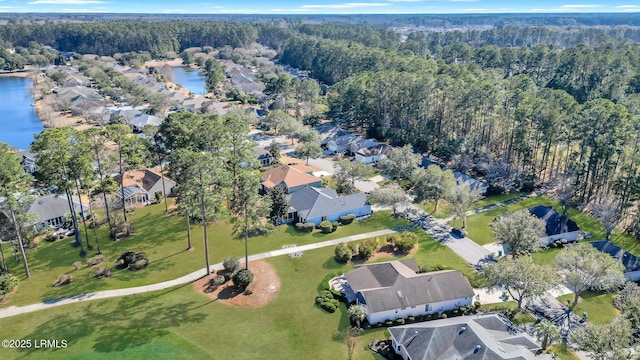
(18, 119)
(190, 79)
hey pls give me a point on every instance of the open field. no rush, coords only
(182, 321)
(163, 238)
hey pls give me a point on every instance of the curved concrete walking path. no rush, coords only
(18, 310)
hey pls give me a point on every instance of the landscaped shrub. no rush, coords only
(132, 260)
(391, 239)
(406, 242)
(325, 227)
(243, 278)
(8, 282)
(95, 260)
(63, 280)
(443, 316)
(217, 280)
(343, 253)
(102, 273)
(400, 321)
(334, 226)
(324, 285)
(231, 265)
(306, 227)
(424, 269)
(411, 318)
(389, 323)
(325, 300)
(347, 219)
(367, 248)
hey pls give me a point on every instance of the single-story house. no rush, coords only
(556, 226)
(139, 122)
(314, 205)
(52, 210)
(328, 132)
(140, 187)
(290, 177)
(373, 154)
(486, 336)
(394, 289)
(263, 156)
(360, 143)
(473, 183)
(630, 262)
(340, 144)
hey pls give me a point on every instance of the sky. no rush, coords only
(320, 6)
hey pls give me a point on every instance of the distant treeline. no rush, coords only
(108, 38)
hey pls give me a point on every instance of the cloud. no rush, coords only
(463, 0)
(65, 2)
(629, 7)
(396, 1)
(580, 6)
(343, 6)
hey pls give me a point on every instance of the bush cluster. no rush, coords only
(306, 227)
(132, 260)
(404, 242)
(95, 260)
(102, 272)
(243, 278)
(326, 227)
(343, 253)
(347, 219)
(325, 300)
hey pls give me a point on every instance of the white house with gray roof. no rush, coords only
(486, 337)
(313, 204)
(394, 289)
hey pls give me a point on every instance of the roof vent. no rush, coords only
(399, 294)
(462, 329)
(478, 347)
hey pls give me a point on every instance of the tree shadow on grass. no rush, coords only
(132, 321)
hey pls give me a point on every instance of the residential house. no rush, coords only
(486, 336)
(359, 143)
(247, 83)
(139, 122)
(629, 261)
(289, 177)
(328, 132)
(473, 183)
(373, 154)
(263, 156)
(53, 209)
(556, 226)
(315, 205)
(140, 187)
(340, 143)
(432, 160)
(395, 289)
(28, 161)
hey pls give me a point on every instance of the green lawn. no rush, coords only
(562, 351)
(522, 317)
(180, 320)
(599, 306)
(490, 200)
(163, 238)
(478, 225)
(444, 209)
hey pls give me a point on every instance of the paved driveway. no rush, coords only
(323, 164)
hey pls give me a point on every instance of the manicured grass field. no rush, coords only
(599, 306)
(183, 321)
(490, 200)
(163, 238)
(444, 209)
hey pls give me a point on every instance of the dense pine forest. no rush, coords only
(520, 104)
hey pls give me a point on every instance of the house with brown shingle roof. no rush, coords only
(290, 177)
(140, 186)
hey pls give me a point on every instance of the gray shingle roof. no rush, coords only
(51, 206)
(485, 337)
(315, 202)
(629, 261)
(395, 285)
(554, 223)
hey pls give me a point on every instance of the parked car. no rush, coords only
(459, 233)
(70, 232)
